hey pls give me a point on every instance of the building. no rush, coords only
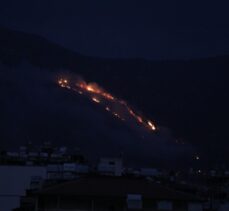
(14, 180)
(110, 166)
(27, 167)
(112, 194)
(66, 171)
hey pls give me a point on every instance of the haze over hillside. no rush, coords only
(194, 106)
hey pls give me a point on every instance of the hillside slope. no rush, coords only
(190, 97)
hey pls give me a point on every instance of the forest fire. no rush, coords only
(100, 96)
(94, 88)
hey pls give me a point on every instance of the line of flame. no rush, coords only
(93, 88)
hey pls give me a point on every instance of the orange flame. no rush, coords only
(151, 125)
(94, 88)
(63, 82)
(82, 87)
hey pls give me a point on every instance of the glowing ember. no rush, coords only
(118, 116)
(90, 89)
(139, 119)
(197, 157)
(96, 100)
(108, 109)
(94, 89)
(152, 126)
(63, 82)
(99, 95)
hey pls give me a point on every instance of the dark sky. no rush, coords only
(149, 29)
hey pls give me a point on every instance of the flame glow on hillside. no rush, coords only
(118, 108)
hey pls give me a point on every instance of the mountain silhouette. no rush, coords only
(189, 97)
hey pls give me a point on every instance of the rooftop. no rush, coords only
(116, 187)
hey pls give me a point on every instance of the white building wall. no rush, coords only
(111, 166)
(14, 180)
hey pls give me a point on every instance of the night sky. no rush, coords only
(149, 29)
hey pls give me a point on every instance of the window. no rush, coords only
(134, 201)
